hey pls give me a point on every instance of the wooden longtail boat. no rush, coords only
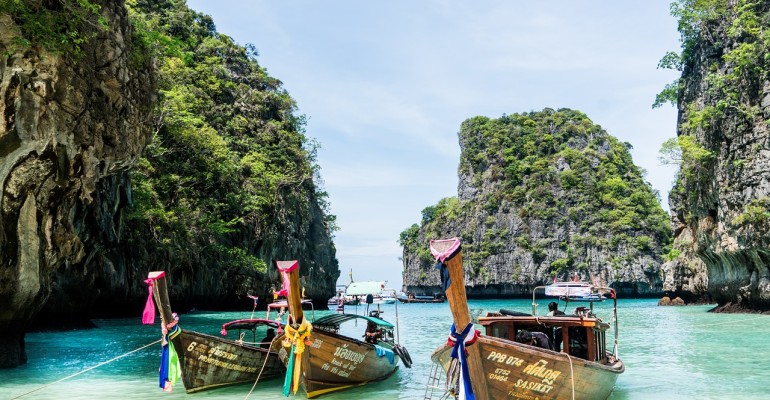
(498, 367)
(321, 360)
(421, 299)
(209, 361)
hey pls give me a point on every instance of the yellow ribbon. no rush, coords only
(297, 338)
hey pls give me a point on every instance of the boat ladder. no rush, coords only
(434, 384)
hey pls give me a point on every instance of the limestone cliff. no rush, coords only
(71, 125)
(90, 203)
(543, 195)
(720, 203)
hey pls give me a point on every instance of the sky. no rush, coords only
(385, 86)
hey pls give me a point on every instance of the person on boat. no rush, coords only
(537, 339)
(553, 310)
(341, 305)
(372, 334)
(268, 340)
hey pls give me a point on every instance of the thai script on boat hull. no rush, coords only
(347, 354)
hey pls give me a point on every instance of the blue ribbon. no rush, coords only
(163, 371)
(444, 273)
(458, 351)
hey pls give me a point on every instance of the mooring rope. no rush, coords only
(87, 369)
(267, 356)
(572, 375)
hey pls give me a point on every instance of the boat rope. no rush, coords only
(572, 375)
(267, 357)
(87, 369)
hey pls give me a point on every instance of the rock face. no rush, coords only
(75, 159)
(70, 129)
(543, 195)
(720, 205)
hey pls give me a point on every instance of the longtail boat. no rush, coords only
(421, 299)
(205, 361)
(514, 358)
(319, 359)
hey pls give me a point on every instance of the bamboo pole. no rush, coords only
(458, 304)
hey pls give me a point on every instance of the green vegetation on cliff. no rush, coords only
(58, 26)
(720, 200)
(550, 184)
(229, 167)
(733, 87)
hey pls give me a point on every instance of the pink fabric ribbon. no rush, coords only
(148, 316)
(285, 267)
(441, 251)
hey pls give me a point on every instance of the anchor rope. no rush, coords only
(87, 369)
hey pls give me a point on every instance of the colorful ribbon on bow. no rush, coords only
(170, 369)
(296, 339)
(148, 316)
(441, 254)
(458, 341)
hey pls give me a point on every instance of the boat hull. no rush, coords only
(334, 362)
(515, 371)
(209, 362)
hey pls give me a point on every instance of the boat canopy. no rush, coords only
(364, 288)
(335, 320)
(250, 324)
(574, 291)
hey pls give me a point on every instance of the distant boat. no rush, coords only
(209, 361)
(421, 299)
(340, 295)
(320, 360)
(385, 298)
(514, 358)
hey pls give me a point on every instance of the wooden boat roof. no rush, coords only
(250, 324)
(335, 320)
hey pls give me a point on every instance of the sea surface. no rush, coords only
(669, 352)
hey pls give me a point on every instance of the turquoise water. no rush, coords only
(670, 352)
